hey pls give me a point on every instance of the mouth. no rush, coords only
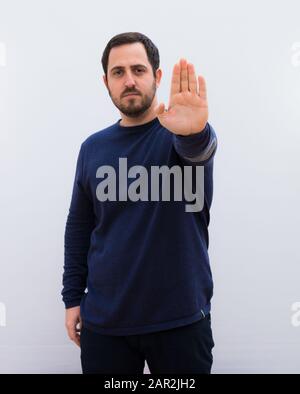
(131, 94)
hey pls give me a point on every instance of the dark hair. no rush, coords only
(130, 38)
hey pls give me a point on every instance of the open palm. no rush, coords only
(188, 109)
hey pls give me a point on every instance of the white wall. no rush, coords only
(52, 97)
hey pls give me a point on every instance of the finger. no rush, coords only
(175, 83)
(79, 325)
(202, 87)
(77, 340)
(71, 333)
(74, 336)
(184, 84)
(192, 78)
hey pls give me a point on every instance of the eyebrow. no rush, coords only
(134, 66)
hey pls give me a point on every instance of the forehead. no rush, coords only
(126, 55)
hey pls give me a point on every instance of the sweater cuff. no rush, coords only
(72, 304)
(197, 147)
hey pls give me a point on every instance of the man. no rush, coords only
(134, 242)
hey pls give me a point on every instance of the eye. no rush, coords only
(140, 70)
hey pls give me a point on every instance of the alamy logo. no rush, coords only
(2, 315)
(138, 189)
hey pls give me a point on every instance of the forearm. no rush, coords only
(77, 241)
(79, 226)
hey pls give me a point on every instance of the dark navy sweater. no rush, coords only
(139, 266)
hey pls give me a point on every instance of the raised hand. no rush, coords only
(188, 109)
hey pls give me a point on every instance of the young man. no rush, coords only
(136, 235)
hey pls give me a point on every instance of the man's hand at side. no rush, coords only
(73, 320)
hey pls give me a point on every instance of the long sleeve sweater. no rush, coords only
(136, 250)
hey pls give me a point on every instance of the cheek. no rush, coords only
(115, 90)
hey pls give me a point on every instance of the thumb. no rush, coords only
(160, 109)
(79, 323)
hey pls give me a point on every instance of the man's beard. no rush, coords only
(135, 106)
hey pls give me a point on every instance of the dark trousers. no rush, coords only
(186, 349)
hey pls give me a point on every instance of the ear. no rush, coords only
(158, 76)
(105, 81)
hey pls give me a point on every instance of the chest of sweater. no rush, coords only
(143, 168)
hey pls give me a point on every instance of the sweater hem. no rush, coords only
(149, 328)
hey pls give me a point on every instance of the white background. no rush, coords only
(52, 97)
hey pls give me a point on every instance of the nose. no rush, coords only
(129, 82)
